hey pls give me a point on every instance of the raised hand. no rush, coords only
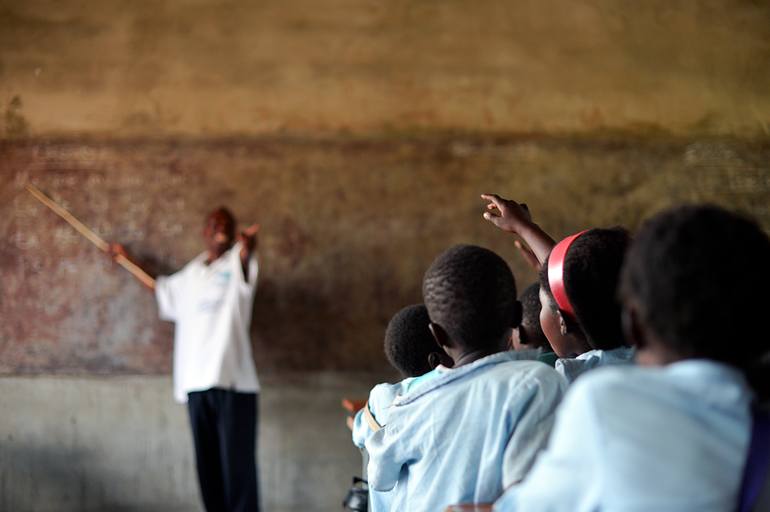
(506, 214)
(117, 253)
(513, 217)
(248, 238)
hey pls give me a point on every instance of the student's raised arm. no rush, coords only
(513, 217)
(118, 252)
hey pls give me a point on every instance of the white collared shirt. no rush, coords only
(211, 306)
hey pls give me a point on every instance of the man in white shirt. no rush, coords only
(210, 300)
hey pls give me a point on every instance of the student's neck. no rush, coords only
(213, 256)
(467, 357)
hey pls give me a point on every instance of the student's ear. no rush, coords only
(518, 313)
(515, 340)
(439, 359)
(564, 327)
(439, 334)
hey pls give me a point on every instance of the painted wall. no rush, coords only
(112, 68)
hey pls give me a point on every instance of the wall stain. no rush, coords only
(16, 125)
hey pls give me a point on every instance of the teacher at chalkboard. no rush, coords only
(210, 301)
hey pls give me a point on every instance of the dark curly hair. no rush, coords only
(470, 291)
(700, 276)
(408, 341)
(530, 319)
(591, 277)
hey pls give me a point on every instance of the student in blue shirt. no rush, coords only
(463, 436)
(580, 313)
(671, 434)
(410, 349)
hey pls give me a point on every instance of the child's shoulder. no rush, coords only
(526, 368)
(386, 391)
(617, 384)
(524, 373)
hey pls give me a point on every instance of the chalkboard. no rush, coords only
(349, 226)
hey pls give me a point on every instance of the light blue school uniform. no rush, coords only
(572, 368)
(634, 439)
(465, 435)
(381, 397)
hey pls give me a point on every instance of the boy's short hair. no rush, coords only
(409, 342)
(700, 276)
(471, 293)
(221, 211)
(591, 277)
(530, 318)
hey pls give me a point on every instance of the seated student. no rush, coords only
(465, 435)
(410, 349)
(580, 313)
(529, 337)
(673, 433)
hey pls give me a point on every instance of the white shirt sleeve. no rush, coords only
(169, 291)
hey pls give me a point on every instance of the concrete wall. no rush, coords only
(121, 444)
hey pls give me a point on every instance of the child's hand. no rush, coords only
(352, 405)
(349, 422)
(506, 214)
(248, 238)
(116, 250)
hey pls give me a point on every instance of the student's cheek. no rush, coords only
(549, 322)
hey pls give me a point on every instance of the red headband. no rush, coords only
(556, 273)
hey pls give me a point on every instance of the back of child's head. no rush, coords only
(530, 332)
(408, 341)
(471, 293)
(591, 274)
(699, 278)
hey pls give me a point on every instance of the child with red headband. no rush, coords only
(580, 312)
(676, 432)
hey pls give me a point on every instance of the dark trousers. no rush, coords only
(224, 427)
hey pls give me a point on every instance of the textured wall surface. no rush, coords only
(121, 444)
(348, 228)
(200, 67)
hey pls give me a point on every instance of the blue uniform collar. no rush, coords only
(457, 373)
